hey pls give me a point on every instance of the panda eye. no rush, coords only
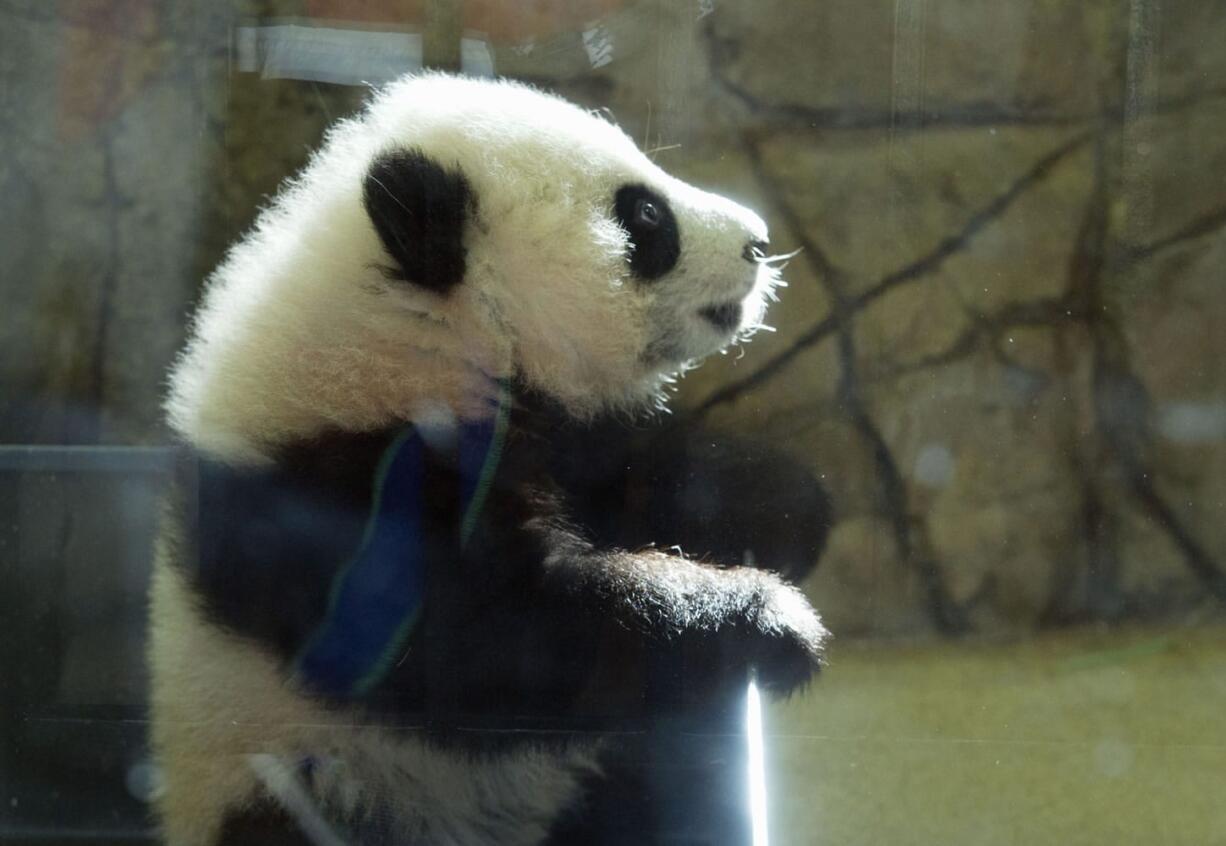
(647, 214)
(653, 242)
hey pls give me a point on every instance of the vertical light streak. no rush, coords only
(757, 764)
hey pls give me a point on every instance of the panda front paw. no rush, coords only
(754, 625)
(786, 637)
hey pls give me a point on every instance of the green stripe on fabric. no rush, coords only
(338, 581)
(490, 467)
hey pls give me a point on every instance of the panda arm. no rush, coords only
(725, 619)
(731, 498)
(719, 497)
(533, 614)
(539, 614)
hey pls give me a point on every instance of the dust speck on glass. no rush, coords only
(679, 421)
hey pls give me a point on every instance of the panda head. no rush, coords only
(457, 233)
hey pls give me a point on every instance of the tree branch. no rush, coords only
(1206, 224)
(918, 269)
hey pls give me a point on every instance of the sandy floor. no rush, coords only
(1088, 737)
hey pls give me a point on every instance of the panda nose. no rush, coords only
(754, 251)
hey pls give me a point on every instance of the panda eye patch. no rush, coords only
(655, 243)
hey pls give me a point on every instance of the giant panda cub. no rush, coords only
(400, 598)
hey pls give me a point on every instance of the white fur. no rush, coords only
(299, 330)
(222, 711)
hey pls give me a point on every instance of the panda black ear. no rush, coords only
(419, 210)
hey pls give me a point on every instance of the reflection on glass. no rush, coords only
(985, 437)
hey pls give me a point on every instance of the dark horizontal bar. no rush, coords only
(19, 835)
(85, 459)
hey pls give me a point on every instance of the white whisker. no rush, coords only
(781, 256)
(662, 149)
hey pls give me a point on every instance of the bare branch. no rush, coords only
(1044, 312)
(1207, 224)
(914, 271)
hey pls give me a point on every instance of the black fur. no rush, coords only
(261, 825)
(655, 245)
(725, 317)
(268, 540)
(419, 210)
(505, 635)
(719, 498)
(540, 624)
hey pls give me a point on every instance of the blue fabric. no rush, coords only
(474, 444)
(376, 598)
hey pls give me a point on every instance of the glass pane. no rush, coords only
(982, 430)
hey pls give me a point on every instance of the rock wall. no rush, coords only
(1000, 345)
(1005, 364)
